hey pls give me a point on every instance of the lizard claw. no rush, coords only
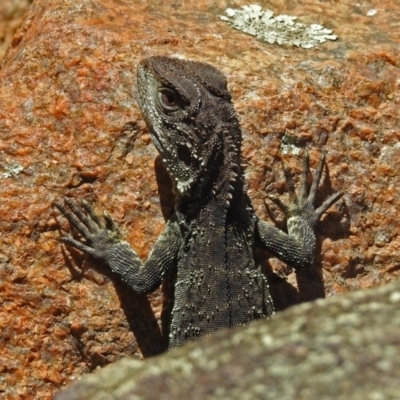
(303, 205)
(278, 202)
(97, 235)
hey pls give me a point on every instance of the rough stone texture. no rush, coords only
(328, 349)
(11, 12)
(68, 116)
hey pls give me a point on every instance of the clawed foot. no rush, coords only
(303, 205)
(98, 235)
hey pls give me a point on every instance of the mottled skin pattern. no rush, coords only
(212, 237)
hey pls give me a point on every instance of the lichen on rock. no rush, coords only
(11, 170)
(280, 29)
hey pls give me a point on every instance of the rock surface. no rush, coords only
(70, 126)
(328, 349)
(11, 13)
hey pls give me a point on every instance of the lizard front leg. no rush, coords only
(102, 240)
(298, 246)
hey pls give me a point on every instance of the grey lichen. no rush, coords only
(11, 170)
(290, 149)
(280, 29)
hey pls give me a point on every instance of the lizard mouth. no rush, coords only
(178, 162)
(156, 141)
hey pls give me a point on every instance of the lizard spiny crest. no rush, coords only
(191, 119)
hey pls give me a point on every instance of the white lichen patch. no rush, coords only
(290, 149)
(280, 29)
(11, 170)
(372, 12)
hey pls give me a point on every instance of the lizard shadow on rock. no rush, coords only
(310, 281)
(142, 321)
(167, 203)
(165, 189)
(140, 316)
(136, 307)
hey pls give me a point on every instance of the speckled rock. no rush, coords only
(70, 126)
(329, 349)
(11, 14)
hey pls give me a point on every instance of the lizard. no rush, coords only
(210, 241)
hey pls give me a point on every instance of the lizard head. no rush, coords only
(188, 110)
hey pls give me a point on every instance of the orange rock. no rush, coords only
(69, 117)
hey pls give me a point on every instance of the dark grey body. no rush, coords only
(219, 283)
(211, 240)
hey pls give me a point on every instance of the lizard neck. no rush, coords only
(223, 192)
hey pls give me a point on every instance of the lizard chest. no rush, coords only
(218, 283)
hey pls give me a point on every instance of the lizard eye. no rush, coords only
(169, 99)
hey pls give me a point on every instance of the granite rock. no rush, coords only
(11, 15)
(70, 126)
